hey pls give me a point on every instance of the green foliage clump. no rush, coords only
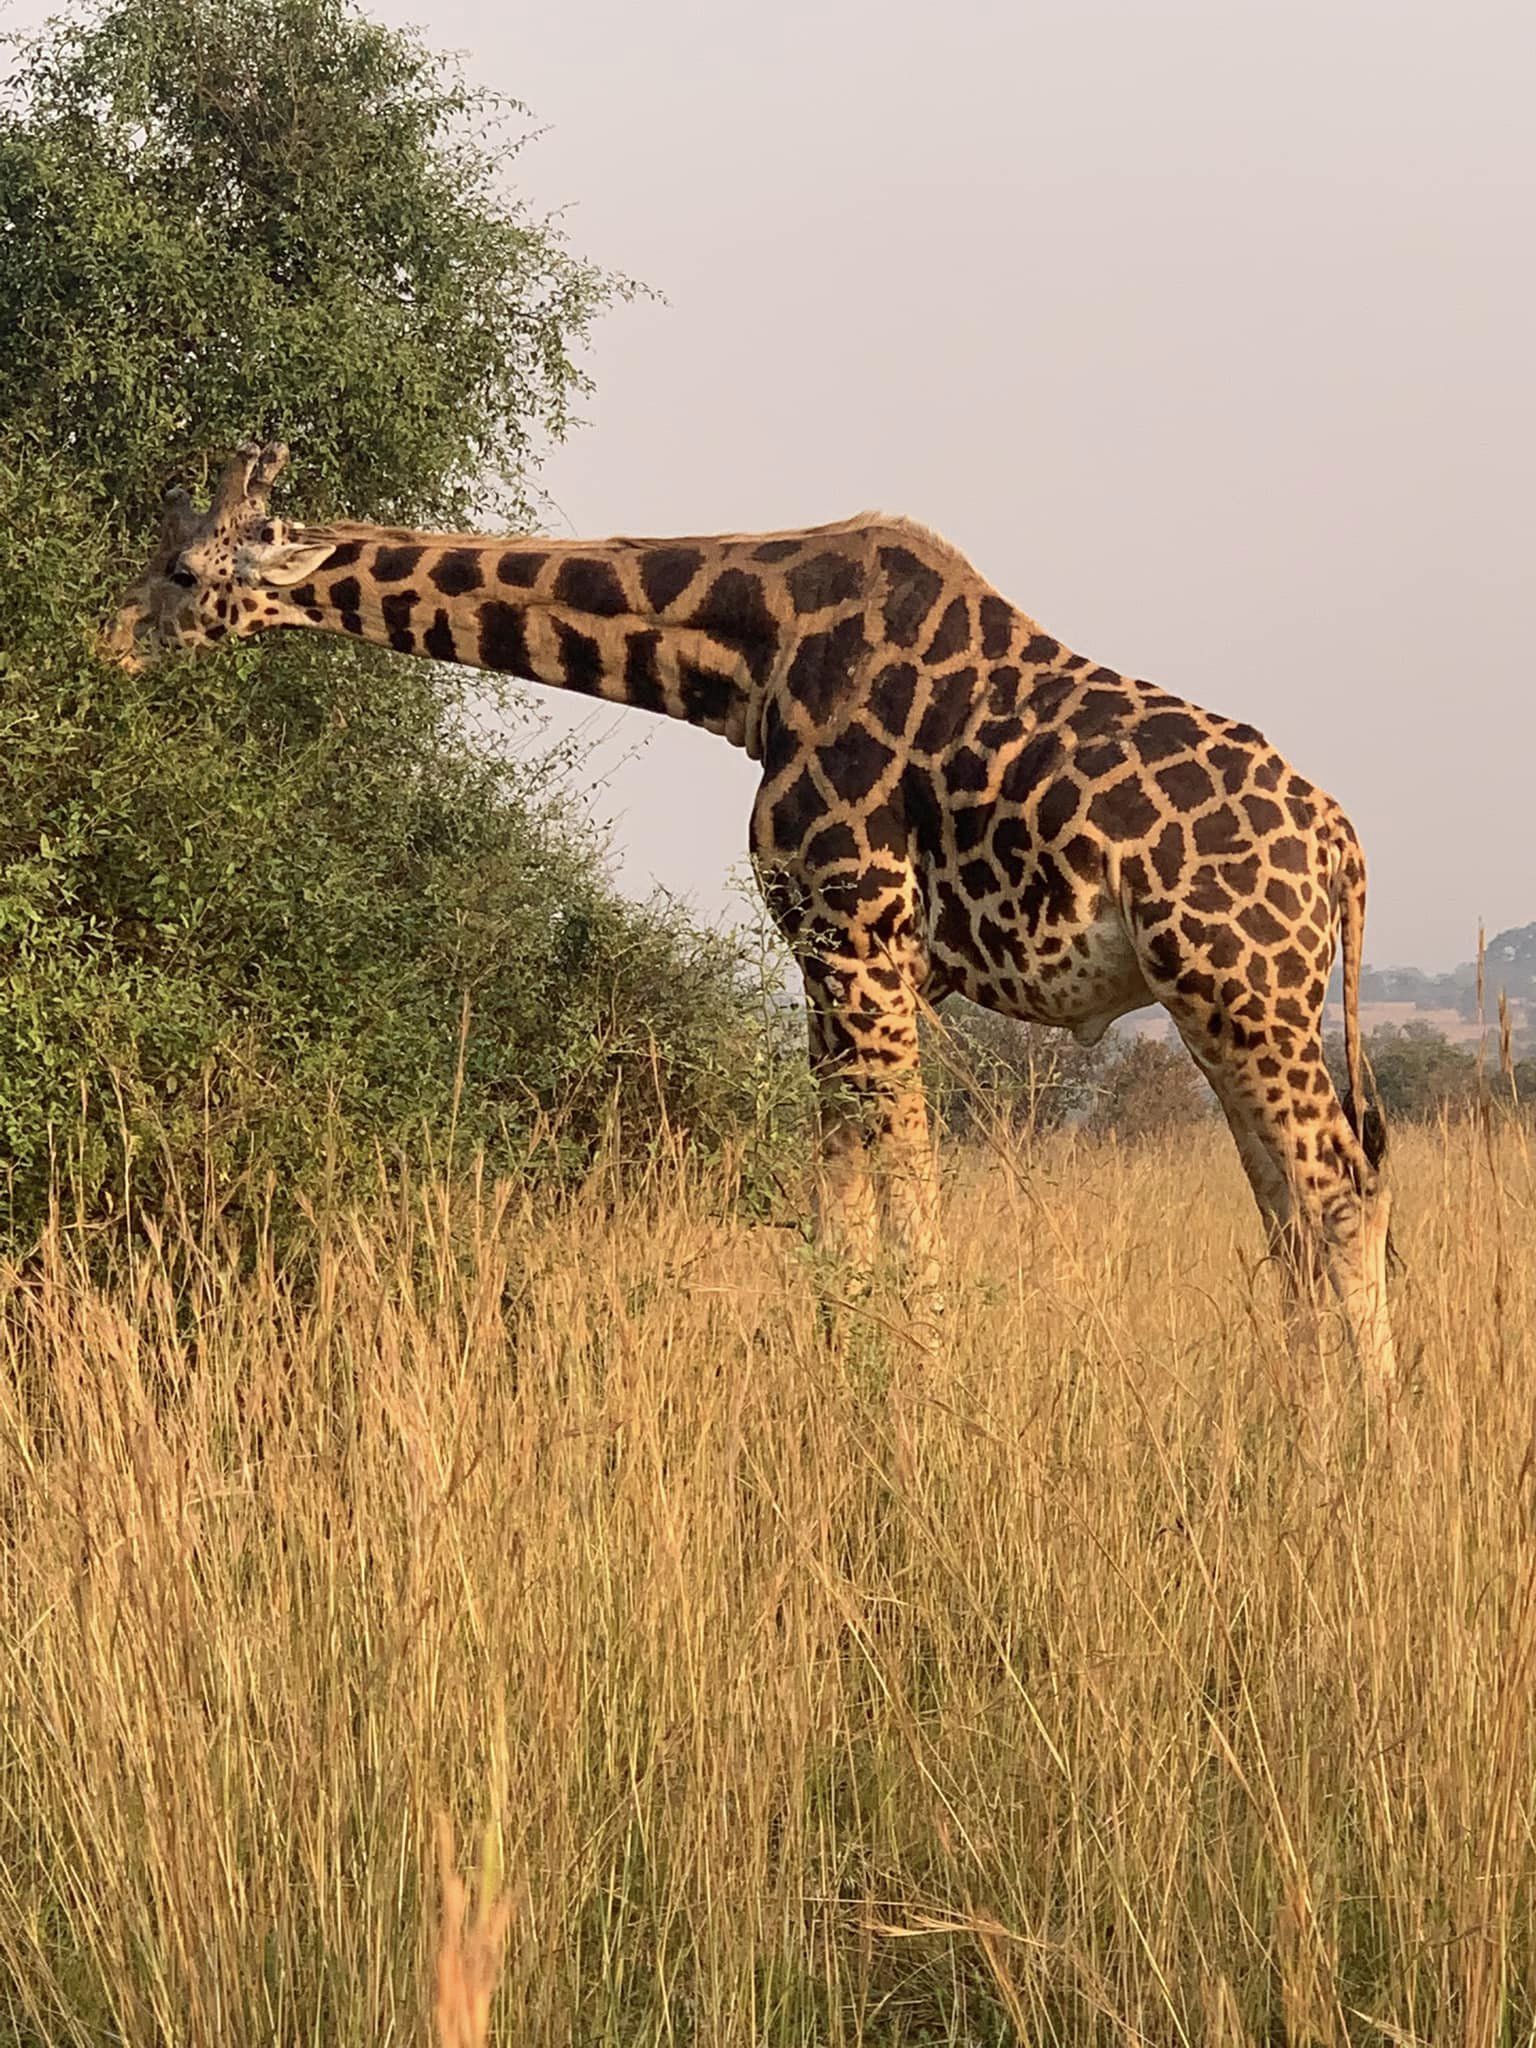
(221, 218)
(247, 902)
(1148, 1087)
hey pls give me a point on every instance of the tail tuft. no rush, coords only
(1370, 1128)
(1364, 1116)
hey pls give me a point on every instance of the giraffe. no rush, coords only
(951, 800)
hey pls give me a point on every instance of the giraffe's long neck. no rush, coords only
(681, 627)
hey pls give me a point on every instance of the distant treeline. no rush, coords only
(989, 1074)
(1509, 967)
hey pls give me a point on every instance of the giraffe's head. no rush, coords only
(220, 574)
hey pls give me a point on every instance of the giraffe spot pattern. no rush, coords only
(1219, 831)
(1100, 760)
(1003, 691)
(735, 612)
(913, 589)
(457, 572)
(392, 564)
(521, 568)
(1165, 733)
(832, 844)
(642, 675)
(822, 670)
(953, 633)
(1124, 810)
(891, 696)
(590, 586)
(397, 611)
(1168, 854)
(1058, 807)
(885, 829)
(855, 762)
(824, 580)
(1096, 713)
(997, 620)
(665, 573)
(706, 696)
(947, 712)
(969, 770)
(1186, 784)
(800, 808)
(581, 659)
(503, 638)
(1263, 816)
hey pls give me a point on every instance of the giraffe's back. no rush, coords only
(1078, 842)
(1103, 841)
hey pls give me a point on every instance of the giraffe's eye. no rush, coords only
(180, 574)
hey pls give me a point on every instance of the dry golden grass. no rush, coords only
(1094, 1674)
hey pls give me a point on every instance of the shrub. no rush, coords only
(1148, 1087)
(989, 1072)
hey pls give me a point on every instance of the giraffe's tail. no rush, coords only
(1363, 1114)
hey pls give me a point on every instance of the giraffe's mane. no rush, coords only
(915, 529)
(888, 522)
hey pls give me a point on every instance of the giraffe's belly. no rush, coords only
(1068, 961)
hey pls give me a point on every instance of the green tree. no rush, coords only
(1147, 1087)
(243, 900)
(226, 216)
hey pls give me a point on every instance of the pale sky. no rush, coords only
(1207, 328)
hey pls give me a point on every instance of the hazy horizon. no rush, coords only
(1206, 331)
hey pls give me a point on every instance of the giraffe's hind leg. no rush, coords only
(1293, 1248)
(1324, 1206)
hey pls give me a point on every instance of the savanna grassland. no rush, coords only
(1089, 1672)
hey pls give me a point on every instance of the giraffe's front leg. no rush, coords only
(908, 1177)
(847, 1221)
(875, 1140)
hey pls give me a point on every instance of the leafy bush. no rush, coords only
(1148, 1087)
(986, 1071)
(989, 1072)
(247, 902)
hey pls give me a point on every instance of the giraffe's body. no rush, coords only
(951, 800)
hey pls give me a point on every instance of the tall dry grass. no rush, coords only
(1092, 1674)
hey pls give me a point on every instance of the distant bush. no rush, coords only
(1420, 1075)
(1148, 1087)
(984, 1071)
(989, 1073)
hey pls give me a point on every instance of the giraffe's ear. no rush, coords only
(283, 563)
